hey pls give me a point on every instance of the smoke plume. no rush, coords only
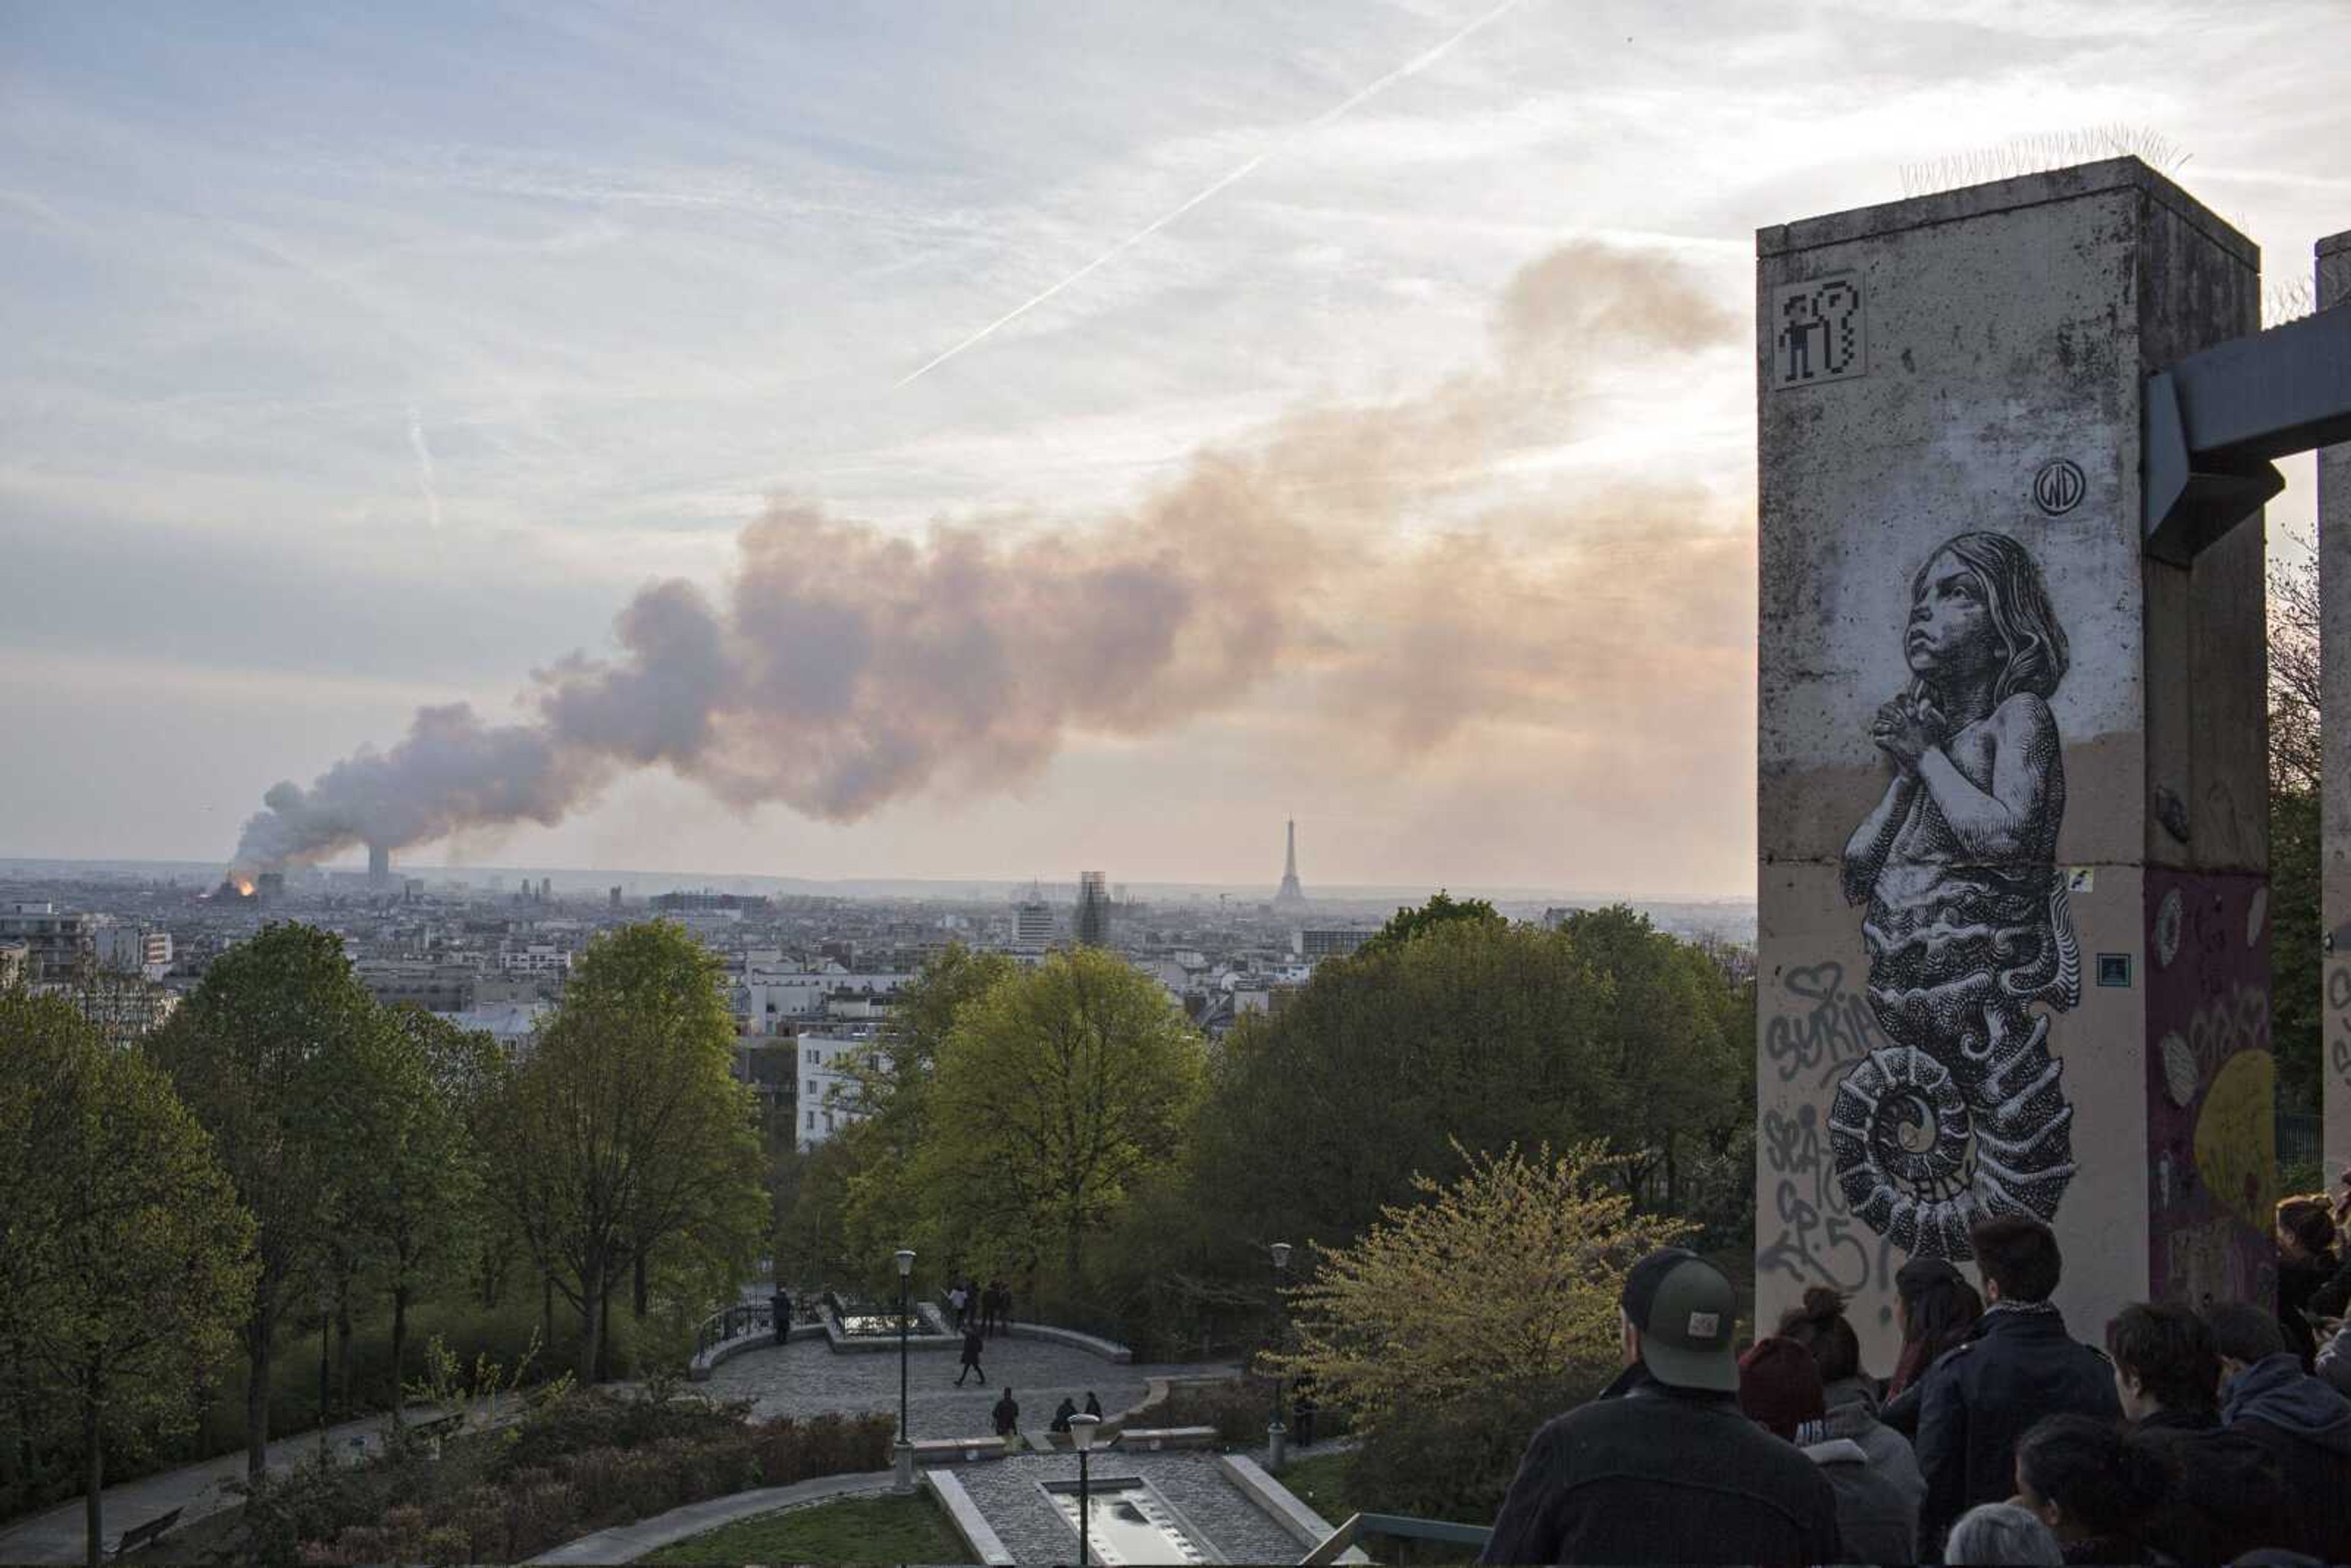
(841, 668)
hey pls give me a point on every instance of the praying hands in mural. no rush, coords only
(1967, 924)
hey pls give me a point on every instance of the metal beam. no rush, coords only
(2210, 424)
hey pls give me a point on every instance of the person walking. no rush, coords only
(972, 1345)
(2017, 1365)
(2301, 1423)
(1663, 1468)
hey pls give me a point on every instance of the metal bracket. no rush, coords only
(2210, 424)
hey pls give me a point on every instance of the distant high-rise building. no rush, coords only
(616, 898)
(1291, 896)
(1093, 910)
(1032, 923)
(380, 865)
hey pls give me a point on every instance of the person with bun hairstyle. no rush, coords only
(1878, 1498)
(2094, 1484)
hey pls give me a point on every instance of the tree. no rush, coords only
(1679, 1052)
(1443, 909)
(2298, 922)
(1474, 1032)
(1056, 1091)
(1508, 1275)
(412, 1195)
(255, 1052)
(625, 1131)
(126, 1264)
(889, 1094)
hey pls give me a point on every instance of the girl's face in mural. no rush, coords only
(1951, 633)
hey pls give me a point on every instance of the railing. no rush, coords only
(2300, 1137)
(743, 1318)
(1396, 1526)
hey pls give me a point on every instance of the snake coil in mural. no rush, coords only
(1970, 940)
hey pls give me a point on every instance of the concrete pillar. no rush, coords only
(2334, 289)
(2013, 817)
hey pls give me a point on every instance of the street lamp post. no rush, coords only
(326, 1321)
(1083, 1430)
(902, 1456)
(1277, 1436)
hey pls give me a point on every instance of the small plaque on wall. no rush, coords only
(2114, 969)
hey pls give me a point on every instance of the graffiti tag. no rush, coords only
(1833, 1029)
(1819, 1241)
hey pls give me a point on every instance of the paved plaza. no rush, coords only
(808, 1377)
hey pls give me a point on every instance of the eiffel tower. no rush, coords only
(1291, 896)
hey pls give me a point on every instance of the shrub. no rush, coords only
(1482, 1437)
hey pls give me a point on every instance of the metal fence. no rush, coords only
(743, 1318)
(2301, 1139)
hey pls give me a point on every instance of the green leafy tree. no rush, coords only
(624, 1133)
(1442, 910)
(261, 1052)
(1475, 1031)
(1056, 1092)
(126, 1263)
(1676, 1052)
(889, 1092)
(412, 1198)
(1508, 1275)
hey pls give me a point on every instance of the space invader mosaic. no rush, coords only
(1820, 333)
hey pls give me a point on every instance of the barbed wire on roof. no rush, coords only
(2287, 299)
(2040, 152)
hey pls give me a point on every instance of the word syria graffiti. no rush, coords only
(1961, 1116)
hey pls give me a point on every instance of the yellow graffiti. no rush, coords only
(2236, 1137)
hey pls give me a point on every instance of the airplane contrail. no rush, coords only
(1413, 67)
(424, 476)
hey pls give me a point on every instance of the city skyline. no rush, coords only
(366, 366)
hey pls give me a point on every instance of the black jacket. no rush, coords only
(2304, 1427)
(2223, 1494)
(1648, 1474)
(1980, 1399)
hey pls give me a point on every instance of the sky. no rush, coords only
(1380, 452)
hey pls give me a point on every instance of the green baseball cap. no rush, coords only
(1687, 1311)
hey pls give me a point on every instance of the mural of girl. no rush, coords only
(1962, 1117)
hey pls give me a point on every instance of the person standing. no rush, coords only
(1872, 1498)
(2306, 1265)
(2224, 1487)
(955, 1300)
(1937, 1307)
(1663, 1468)
(972, 1345)
(2302, 1425)
(2017, 1366)
(1006, 1415)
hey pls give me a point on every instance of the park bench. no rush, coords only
(440, 1426)
(146, 1534)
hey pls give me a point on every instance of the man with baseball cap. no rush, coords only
(1663, 1468)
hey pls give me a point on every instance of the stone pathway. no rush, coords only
(808, 1377)
(197, 1490)
(627, 1542)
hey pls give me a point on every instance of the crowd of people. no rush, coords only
(2194, 1436)
(985, 1308)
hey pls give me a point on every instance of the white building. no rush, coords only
(824, 1089)
(132, 951)
(538, 958)
(769, 1002)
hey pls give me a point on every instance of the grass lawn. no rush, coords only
(1321, 1483)
(853, 1529)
